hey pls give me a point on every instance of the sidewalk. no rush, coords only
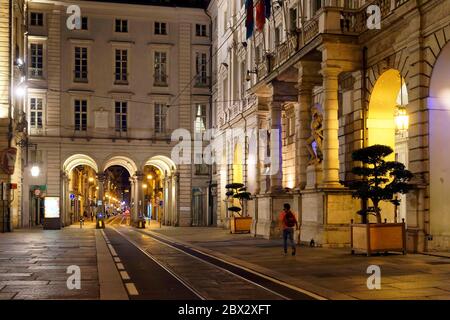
(332, 273)
(34, 263)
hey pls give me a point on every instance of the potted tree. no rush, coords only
(379, 181)
(238, 222)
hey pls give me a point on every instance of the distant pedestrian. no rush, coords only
(287, 223)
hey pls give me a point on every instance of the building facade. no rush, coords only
(350, 67)
(108, 83)
(12, 120)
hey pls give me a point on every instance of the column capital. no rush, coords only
(101, 177)
(328, 71)
(138, 175)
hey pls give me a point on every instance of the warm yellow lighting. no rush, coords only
(96, 187)
(144, 186)
(401, 119)
(149, 177)
(35, 171)
(91, 179)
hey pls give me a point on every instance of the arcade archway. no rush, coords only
(388, 98)
(160, 188)
(439, 119)
(80, 188)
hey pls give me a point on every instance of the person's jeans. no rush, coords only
(288, 233)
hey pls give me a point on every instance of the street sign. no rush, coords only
(72, 196)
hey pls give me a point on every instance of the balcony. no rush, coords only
(329, 19)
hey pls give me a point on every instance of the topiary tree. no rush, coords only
(237, 191)
(380, 180)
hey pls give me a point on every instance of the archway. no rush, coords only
(389, 94)
(439, 153)
(238, 172)
(80, 188)
(160, 188)
(121, 187)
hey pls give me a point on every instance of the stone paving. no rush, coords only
(33, 263)
(332, 273)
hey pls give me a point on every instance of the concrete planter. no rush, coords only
(378, 237)
(240, 224)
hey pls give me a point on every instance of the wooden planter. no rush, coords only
(240, 224)
(378, 237)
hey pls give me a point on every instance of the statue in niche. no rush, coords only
(314, 142)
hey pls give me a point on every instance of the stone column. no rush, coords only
(330, 164)
(276, 177)
(139, 200)
(303, 132)
(101, 177)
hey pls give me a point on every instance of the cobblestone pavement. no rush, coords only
(33, 263)
(333, 273)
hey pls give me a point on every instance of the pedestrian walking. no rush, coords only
(287, 224)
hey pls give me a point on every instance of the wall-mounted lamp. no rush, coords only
(248, 77)
(401, 119)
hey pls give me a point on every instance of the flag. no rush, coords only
(268, 8)
(249, 21)
(260, 15)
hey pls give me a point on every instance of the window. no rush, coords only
(121, 67)
(292, 19)
(121, 25)
(84, 23)
(200, 118)
(160, 65)
(81, 67)
(36, 113)
(161, 28)
(37, 19)
(317, 4)
(201, 68)
(200, 30)
(121, 116)
(80, 115)
(160, 118)
(277, 36)
(36, 57)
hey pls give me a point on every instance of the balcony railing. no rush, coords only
(329, 19)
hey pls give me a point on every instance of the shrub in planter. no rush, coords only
(380, 180)
(238, 191)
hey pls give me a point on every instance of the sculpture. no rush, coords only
(316, 136)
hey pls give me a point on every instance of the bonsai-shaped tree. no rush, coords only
(380, 180)
(237, 191)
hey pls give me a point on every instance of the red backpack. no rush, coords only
(289, 219)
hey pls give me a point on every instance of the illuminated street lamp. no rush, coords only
(144, 186)
(91, 179)
(149, 177)
(35, 170)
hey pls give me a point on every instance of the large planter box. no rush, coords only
(240, 224)
(378, 237)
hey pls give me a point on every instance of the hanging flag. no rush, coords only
(268, 8)
(260, 15)
(250, 21)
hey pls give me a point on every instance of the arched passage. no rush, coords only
(389, 94)
(439, 119)
(160, 188)
(79, 188)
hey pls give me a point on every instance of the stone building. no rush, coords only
(12, 120)
(332, 59)
(108, 82)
